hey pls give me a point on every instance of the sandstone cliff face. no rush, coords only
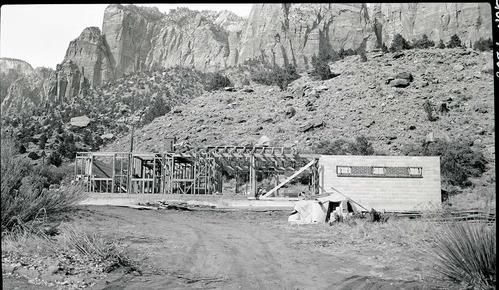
(22, 86)
(292, 33)
(92, 55)
(139, 38)
(470, 21)
(143, 38)
(70, 81)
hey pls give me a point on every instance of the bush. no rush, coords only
(54, 159)
(24, 195)
(441, 44)
(483, 45)
(429, 109)
(384, 48)
(276, 76)
(466, 253)
(454, 42)
(218, 81)
(399, 43)
(158, 108)
(361, 146)
(321, 66)
(458, 162)
(424, 42)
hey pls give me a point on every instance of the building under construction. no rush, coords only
(392, 183)
(192, 171)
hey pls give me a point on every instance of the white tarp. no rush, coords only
(317, 210)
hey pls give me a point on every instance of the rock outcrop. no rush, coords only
(141, 38)
(23, 87)
(91, 54)
(470, 21)
(292, 33)
(70, 81)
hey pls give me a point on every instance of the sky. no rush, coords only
(40, 34)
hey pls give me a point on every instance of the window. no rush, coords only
(415, 171)
(343, 170)
(379, 171)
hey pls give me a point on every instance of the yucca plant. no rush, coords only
(466, 252)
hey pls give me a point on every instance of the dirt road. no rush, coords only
(224, 250)
(241, 249)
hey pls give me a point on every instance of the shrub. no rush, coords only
(33, 156)
(424, 42)
(455, 41)
(321, 68)
(428, 108)
(483, 45)
(466, 253)
(363, 57)
(361, 146)
(458, 162)
(441, 44)
(399, 43)
(158, 108)
(276, 76)
(24, 194)
(54, 159)
(384, 48)
(218, 81)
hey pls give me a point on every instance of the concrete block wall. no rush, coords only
(393, 194)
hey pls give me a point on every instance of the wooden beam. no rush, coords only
(289, 179)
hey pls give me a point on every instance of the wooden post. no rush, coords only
(252, 176)
(113, 176)
(235, 190)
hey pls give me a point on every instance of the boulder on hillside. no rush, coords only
(107, 136)
(316, 123)
(405, 75)
(398, 55)
(290, 112)
(399, 83)
(264, 141)
(248, 90)
(458, 67)
(81, 121)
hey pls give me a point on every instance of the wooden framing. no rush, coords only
(192, 171)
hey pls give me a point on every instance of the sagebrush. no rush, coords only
(25, 190)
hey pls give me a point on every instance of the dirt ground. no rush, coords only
(236, 249)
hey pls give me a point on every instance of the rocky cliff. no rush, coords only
(144, 38)
(22, 86)
(141, 38)
(92, 55)
(470, 21)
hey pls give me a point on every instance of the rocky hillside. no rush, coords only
(102, 114)
(363, 100)
(357, 102)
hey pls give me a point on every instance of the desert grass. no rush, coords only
(92, 244)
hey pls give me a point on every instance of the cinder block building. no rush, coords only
(385, 183)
